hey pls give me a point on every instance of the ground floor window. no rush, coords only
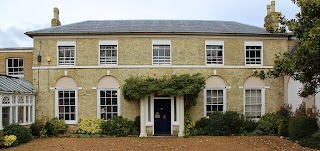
(108, 103)
(214, 100)
(253, 103)
(17, 109)
(67, 106)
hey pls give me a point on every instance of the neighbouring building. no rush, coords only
(17, 62)
(78, 69)
(16, 91)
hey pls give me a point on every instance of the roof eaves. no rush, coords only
(32, 34)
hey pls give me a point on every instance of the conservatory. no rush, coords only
(17, 101)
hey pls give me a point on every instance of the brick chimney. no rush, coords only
(271, 21)
(55, 21)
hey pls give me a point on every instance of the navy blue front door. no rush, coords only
(162, 116)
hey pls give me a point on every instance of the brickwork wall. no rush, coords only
(27, 58)
(138, 51)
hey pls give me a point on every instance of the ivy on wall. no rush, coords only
(136, 88)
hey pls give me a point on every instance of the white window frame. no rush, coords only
(108, 42)
(15, 104)
(262, 89)
(67, 43)
(162, 42)
(7, 68)
(98, 100)
(253, 43)
(224, 98)
(57, 104)
(217, 43)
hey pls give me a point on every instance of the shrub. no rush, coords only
(22, 133)
(90, 126)
(268, 123)
(35, 129)
(117, 126)
(8, 140)
(250, 125)
(55, 126)
(219, 124)
(301, 110)
(274, 124)
(285, 111)
(234, 122)
(311, 141)
(303, 126)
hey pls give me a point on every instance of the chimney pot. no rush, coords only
(55, 20)
(268, 9)
(273, 6)
(55, 13)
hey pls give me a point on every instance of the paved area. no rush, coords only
(219, 143)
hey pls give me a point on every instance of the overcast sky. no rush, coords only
(20, 16)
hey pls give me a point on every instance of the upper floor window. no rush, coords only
(214, 52)
(15, 67)
(161, 52)
(253, 53)
(66, 53)
(108, 53)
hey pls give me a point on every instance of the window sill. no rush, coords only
(18, 76)
(253, 65)
(217, 65)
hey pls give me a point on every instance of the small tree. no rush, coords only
(303, 64)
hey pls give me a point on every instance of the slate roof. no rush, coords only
(15, 85)
(16, 48)
(151, 26)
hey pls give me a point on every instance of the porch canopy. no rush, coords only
(17, 101)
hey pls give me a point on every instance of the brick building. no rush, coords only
(84, 65)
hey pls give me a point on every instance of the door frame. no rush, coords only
(151, 123)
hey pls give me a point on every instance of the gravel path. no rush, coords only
(237, 143)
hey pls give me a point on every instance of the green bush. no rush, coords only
(250, 125)
(268, 123)
(55, 127)
(117, 126)
(22, 133)
(274, 124)
(219, 124)
(303, 126)
(311, 141)
(35, 129)
(90, 126)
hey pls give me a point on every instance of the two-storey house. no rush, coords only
(84, 65)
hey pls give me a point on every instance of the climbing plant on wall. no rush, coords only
(136, 88)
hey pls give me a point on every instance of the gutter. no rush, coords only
(32, 34)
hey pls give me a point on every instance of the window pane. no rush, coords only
(20, 114)
(208, 107)
(5, 116)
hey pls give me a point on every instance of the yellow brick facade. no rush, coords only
(27, 58)
(138, 51)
